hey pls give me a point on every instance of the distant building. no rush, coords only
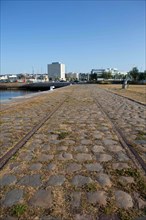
(12, 78)
(56, 71)
(99, 72)
(8, 78)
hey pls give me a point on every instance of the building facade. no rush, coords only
(56, 71)
(99, 72)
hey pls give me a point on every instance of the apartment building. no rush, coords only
(56, 71)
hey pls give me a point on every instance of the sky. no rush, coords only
(81, 34)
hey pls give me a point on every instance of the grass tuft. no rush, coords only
(63, 135)
(18, 210)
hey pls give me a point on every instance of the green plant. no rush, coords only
(90, 187)
(141, 135)
(140, 184)
(62, 135)
(18, 210)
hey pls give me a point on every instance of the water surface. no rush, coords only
(6, 95)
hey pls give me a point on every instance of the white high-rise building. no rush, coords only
(56, 71)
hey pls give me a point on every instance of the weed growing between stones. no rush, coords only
(63, 135)
(90, 187)
(139, 184)
(18, 210)
(14, 157)
(109, 209)
(141, 135)
(128, 214)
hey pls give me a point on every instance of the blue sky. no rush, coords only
(81, 34)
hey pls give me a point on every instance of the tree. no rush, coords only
(93, 76)
(134, 73)
(106, 75)
(142, 76)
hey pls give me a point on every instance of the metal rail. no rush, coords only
(4, 159)
(123, 140)
(133, 100)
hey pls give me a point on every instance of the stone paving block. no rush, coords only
(97, 136)
(141, 203)
(109, 217)
(69, 142)
(35, 166)
(45, 147)
(109, 142)
(13, 197)
(51, 166)
(56, 180)
(97, 149)
(7, 179)
(86, 142)
(81, 148)
(103, 157)
(53, 136)
(31, 180)
(114, 148)
(83, 217)
(49, 218)
(123, 199)
(45, 157)
(73, 167)
(122, 157)
(119, 166)
(55, 142)
(94, 167)
(26, 156)
(97, 197)
(79, 180)
(65, 156)
(141, 218)
(62, 148)
(9, 218)
(104, 129)
(75, 199)
(104, 180)
(126, 180)
(83, 157)
(13, 165)
(42, 198)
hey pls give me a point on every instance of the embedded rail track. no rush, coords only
(7, 156)
(138, 161)
(128, 146)
(133, 100)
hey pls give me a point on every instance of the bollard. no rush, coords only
(52, 87)
(124, 85)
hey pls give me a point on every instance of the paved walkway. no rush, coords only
(74, 167)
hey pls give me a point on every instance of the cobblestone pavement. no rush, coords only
(74, 166)
(19, 118)
(129, 116)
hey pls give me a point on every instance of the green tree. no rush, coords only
(106, 75)
(142, 75)
(134, 73)
(93, 77)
